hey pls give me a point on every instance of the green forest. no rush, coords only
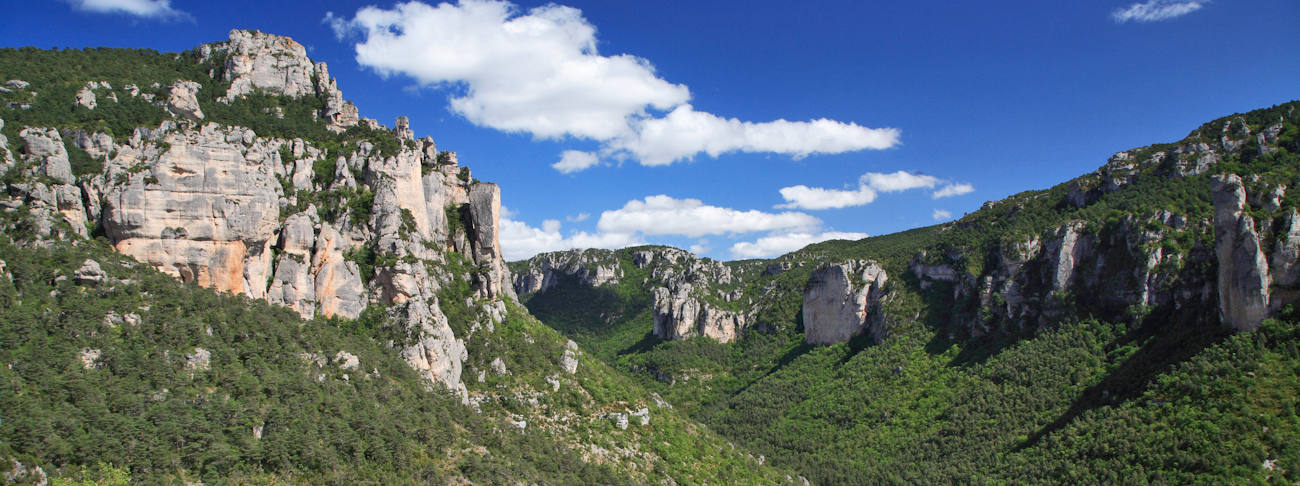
(1099, 394)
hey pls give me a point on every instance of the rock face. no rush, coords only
(685, 295)
(678, 315)
(592, 268)
(259, 62)
(838, 299)
(89, 273)
(225, 208)
(181, 100)
(1243, 279)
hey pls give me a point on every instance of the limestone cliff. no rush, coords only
(688, 295)
(838, 299)
(1144, 261)
(391, 224)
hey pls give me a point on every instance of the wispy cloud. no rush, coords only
(870, 185)
(951, 190)
(665, 216)
(1156, 10)
(156, 9)
(940, 215)
(539, 72)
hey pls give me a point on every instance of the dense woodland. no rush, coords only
(101, 383)
(1100, 396)
(140, 379)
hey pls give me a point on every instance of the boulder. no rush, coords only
(182, 100)
(89, 274)
(86, 97)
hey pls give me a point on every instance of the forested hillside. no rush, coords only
(212, 269)
(1134, 325)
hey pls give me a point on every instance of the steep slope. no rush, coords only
(238, 167)
(992, 346)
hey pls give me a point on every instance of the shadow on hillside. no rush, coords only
(648, 341)
(556, 306)
(1164, 339)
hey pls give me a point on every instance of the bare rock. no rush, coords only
(45, 146)
(264, 62)
(86, 97)
(1286, 254)
(402, 129)
(347, 361)
(198, 360)
(209, 214)
(90, 358)
(89, 274)
(570, 359)
(838, 298)
(1243, 280)
(182, 102)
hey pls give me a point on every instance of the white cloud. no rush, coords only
(780, 244)
(700, 247)
(1155, 10)
(804, 197)
(654, 216)
(869, 186)
(684, 132)
(578, 218)
(160, 9)
(539, 72)
(664, 215)
(940, 215)
(898, 181)
(520, 241)
(575, 161)
(951, 190)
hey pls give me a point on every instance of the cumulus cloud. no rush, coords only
(539, 72)
(684, 132)
(869, 186)
(940, 215)
(1155, 10)
(951, 190)
(577, 218)
(662, 216)
(158, 9)
(779, 244)
(898, 181)
(520, 241)
(665, 215)
(700, 247)
(575, 161)
(814, 198)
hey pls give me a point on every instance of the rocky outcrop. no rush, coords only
(182, 100)
(689, 296)
(1243, 278)
(86, 97)
(592, 268)
(838, 300)
(204, 211)
(223, 207)
(679, 314)
(90, 273)
(259, 62)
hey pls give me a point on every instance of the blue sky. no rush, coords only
(748, 129)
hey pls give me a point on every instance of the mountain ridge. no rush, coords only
(1152, 266)
(236, 175)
